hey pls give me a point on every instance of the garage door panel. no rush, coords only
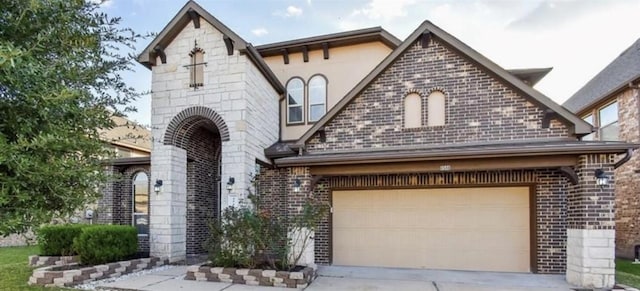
(453, 228)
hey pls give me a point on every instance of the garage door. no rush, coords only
(483, 229)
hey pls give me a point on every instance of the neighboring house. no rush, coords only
(610, 101)
(430, 155)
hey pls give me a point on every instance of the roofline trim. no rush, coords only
(580, 126)
(386, 157)
(353, 35)
(609, 94)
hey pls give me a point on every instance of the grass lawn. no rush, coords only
(627, 273)
(15, 270)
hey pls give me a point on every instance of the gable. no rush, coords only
(577, 127)
(478, 106)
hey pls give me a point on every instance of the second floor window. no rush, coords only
(317, 97)
(608, 117)
(295, 101)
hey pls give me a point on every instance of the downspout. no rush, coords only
(626, 158)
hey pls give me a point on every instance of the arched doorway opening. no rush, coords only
(199, 131)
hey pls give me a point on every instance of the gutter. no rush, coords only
(626, 158)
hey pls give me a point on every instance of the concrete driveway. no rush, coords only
(363, 278)
(360, 278)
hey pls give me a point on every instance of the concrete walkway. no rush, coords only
(361, 278)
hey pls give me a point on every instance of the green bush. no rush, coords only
(106, 243)
(57, 240)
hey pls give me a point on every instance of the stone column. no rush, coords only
(591, 225)
(168, 225)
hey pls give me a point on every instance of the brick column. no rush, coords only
(591, 225)
(168, 225)
(295, 201)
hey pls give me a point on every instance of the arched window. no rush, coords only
(141, 203)
(317, 97)
(196, 78)
(295, 101)
(412, 111)
(436, 113)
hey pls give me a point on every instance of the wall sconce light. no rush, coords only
(601, 178)
(296, 185)
(230, 183)
(157, 186)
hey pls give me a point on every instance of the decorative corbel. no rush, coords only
(195, 18)
(305, 54)
(322, 135)
(285, 56)
(229, 44)
(159, 50)
(325, 50)
(548, 116)
(314, 181)
(424, 39)
(570, 173)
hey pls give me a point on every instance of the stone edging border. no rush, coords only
(254, 277)
(57, 276)
(45, 261)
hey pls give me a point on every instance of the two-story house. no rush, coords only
(610, 102)
(429, 154)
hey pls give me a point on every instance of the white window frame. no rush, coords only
(324, 100)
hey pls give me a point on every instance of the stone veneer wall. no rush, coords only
(591, 225)
(479, 108)
(627, 182)
(243, 101)
(551, 202)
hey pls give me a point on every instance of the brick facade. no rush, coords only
(479, 108)
(626, 182)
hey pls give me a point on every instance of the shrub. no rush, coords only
(106, 243)
(57, 240)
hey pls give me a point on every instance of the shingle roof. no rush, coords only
(624, 69)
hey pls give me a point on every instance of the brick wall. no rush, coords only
(627, 188)
(478, 106)
(551, 197)
(589, 205)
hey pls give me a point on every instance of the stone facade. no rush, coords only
(627, 187)
(479, 108)
(246, 110)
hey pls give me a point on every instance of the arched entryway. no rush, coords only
(199, 131)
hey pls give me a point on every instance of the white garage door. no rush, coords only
(483, 229)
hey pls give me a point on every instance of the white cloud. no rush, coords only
(103, 3)
(260, 31)
(293, 11)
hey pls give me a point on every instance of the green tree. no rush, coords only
(59, 84)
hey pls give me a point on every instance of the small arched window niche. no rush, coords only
(196, 68)
(412, 111)
(141, 203)
(317, 97)
(436, 109)
(295, 101)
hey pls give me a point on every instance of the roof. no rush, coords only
(622, 71)
(127, 133)
(333, 40)
(580, 127)
(530, 76)
(174, 27)
(453, 152)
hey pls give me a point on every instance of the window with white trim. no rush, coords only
(589, 119)
(317, 97)
(295, 101)
(608, 121)
(141, 203)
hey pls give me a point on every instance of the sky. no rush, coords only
(577, 38)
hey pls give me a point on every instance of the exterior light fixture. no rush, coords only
(601, 178)
(296, 185)
(157, 186)
(230, 183)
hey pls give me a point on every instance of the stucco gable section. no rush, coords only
(427, 33)
(193, 13)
